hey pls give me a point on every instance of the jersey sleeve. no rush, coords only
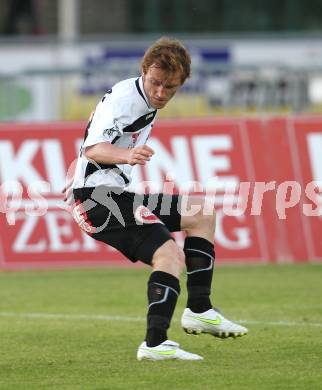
(105, 124)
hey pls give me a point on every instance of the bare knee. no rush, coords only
(169, 258)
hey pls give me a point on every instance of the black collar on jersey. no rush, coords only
(137, 83)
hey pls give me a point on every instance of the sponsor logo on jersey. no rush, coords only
(149, 116)
(144, 215)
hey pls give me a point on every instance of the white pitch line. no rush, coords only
(99, 317)
(281, 323)
(73, 316)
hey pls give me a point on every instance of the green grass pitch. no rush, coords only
(80, 329)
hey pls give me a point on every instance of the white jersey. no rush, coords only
(123, 118)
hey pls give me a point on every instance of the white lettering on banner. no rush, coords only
(213, 165)
(54, 163)
(209, 165)
(18, 166)
(58, 228)
(179, 164)
(57, 231)
(10, 196)
(314, 141)
(21, 244)
(39, 204)
(90, 245)
(242, 234)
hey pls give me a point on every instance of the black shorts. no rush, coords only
(136, 225)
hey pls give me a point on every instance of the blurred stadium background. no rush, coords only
(252, 111)
(247, 57)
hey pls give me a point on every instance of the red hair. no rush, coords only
(170, 55)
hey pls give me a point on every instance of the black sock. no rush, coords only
(200, 258)
(163, 292)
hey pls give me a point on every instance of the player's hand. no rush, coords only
(140, 155)
(67, 191)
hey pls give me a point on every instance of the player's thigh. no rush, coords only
(122, 221)
(196, 210)
(136, 242)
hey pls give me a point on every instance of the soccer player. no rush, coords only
(139, 225)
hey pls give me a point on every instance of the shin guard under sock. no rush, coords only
(163, 292)
(200, 258)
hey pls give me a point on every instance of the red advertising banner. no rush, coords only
(264, 176)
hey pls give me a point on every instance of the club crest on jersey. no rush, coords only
(110, 132)
(143, 215)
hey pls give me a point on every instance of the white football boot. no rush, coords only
(168, 350)
(210, 322)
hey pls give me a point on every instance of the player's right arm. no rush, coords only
(106, 153)
(111, 115)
